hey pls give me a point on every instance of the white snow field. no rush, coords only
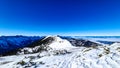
(59, 44)
(64, 55)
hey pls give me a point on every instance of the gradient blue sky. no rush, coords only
(64, 17)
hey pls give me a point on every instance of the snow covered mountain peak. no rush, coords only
(56, 43)
(61, 52)
(56, 38)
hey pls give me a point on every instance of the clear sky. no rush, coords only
(64, 17)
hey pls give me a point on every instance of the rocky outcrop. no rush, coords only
(47, 43)
(81, 42)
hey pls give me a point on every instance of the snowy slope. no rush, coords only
(59, 43)
(67, 56)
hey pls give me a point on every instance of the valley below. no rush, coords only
(65, 52)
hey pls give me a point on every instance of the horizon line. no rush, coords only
(57, 35)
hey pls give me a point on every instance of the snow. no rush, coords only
(79, 57)
(59, 43)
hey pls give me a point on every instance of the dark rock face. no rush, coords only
(34, 47)
(38, 46)
(80, 42)
(85, 43)
(44, 41)
(41, 45)
(47, 40)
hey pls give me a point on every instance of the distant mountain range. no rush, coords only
(10, 44)
(59, 52)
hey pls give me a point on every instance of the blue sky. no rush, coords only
(64, 17)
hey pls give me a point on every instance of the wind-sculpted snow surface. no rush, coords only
(67, 56)
(79, 57)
